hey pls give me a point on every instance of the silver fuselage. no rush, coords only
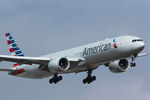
(95, 54)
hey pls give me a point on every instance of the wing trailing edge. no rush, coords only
(24, 60)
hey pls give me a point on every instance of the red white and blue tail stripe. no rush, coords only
(13, 48)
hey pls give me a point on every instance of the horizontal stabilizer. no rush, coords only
(7, 70)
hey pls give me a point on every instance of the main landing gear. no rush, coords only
(55, 79)
(89, 78)
(133, 64)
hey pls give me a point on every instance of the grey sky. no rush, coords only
(45, 26)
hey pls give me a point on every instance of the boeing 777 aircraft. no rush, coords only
(111, 52)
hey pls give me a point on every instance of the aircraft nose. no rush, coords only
(140, 46)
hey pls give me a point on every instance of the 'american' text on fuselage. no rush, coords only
(97, 49)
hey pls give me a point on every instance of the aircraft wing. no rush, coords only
(75, 59)
(142, 54)
(24, 60)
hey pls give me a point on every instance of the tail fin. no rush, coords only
(13, 48)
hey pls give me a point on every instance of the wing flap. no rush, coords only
(24, 60)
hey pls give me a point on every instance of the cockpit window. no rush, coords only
(137, 40)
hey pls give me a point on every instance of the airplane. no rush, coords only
(113, 53)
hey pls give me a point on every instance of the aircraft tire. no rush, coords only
(94, 78)
(55, 81)
(88, 82)
(50, 81)
(84, 81)
(60, 78)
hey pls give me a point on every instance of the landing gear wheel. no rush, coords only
(84, 81)
(55, 82)
(133, 64)
(88, 82)
(60, 78)
(50, 81)
(94, 78)
(55, 79)
(89, 78)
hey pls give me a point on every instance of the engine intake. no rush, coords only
(123, 64)
(64, 64)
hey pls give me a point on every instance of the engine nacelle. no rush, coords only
(57, 65)
(119, 66)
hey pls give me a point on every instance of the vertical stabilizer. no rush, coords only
(13, 48)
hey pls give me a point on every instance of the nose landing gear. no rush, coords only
(89, 78)
(133, 64)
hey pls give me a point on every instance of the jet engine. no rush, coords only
(119, 66)
(57, 65)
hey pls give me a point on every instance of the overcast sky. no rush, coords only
(46, 26)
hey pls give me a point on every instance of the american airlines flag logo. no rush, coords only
(13, 48)
(115, 45)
